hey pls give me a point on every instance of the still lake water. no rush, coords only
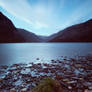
(28, 52)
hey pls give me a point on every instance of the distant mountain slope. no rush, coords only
(28, 36)
(10, 34)
(76, 33)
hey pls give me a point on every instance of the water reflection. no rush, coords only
(6, 53)
(28, 52)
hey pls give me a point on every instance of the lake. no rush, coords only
(29, 52)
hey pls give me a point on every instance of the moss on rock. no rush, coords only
(48, 85)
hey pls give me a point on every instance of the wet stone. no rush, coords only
(13, 90)
(71, 82)
(90, 87)
(75, 75)
(18, 82)
(24, 90)
(69, 87)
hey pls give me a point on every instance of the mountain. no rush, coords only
(10, 34)
(76, 33)
(28, 36)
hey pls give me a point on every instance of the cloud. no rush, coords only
(24, 11)
(62, 4)
(48, 14)
(39, 25)
(18, 8)
(80, 13)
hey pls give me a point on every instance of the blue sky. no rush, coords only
(45, 17)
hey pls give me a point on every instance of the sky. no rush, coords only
(45, 17)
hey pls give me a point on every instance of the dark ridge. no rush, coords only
(10, 34)
(76, 33)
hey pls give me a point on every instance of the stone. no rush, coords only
(58, 77)
(1, 79)
(71, 82)
(90, 87)
(13, 90)
(86, 90)
(76, 76)
(37, 59)
(69, 87)
(24, 90)
(66, 80)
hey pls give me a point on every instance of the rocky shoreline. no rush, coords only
(74, 75)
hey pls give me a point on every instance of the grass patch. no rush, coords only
(48, 85)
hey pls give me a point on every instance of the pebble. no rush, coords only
(24, 90)
(69, 87)
(13, 90)
(72, 74)
(90, 87)
(71, 82)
